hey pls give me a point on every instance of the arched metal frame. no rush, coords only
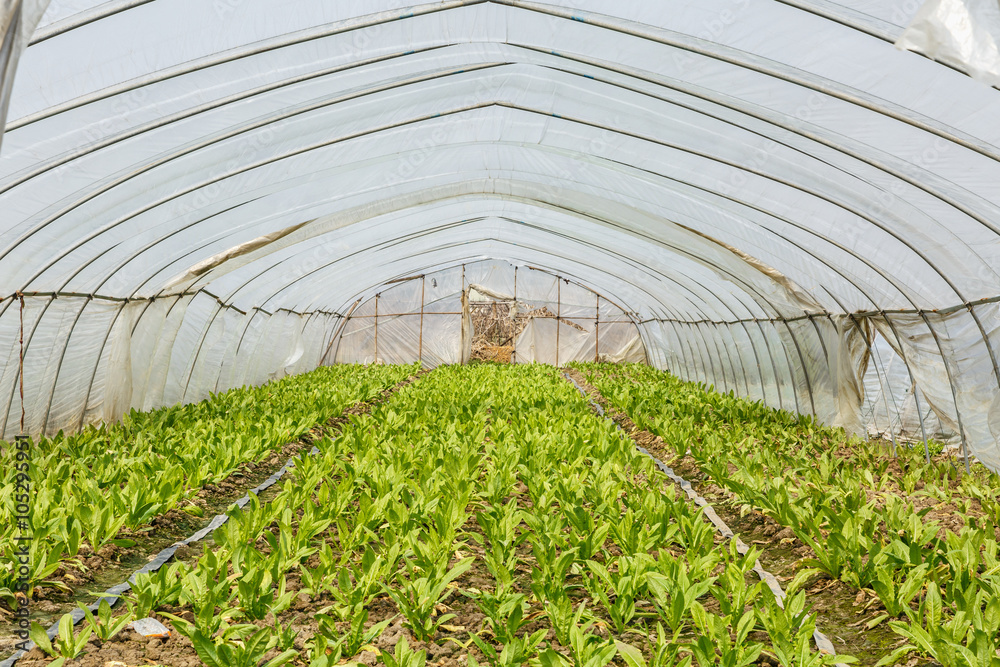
(656, 306)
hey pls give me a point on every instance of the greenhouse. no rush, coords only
(557, 332)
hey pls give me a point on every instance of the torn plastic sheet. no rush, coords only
(961, 33)
(18, 19)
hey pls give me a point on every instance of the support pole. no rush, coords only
(337, 333)
(597, 330)
(376, 327)
(513, 352)
(558, 314)
(883, 384)
(920, 416)
(465, 311)
(20, 360)
(954, 392)
(423, 293)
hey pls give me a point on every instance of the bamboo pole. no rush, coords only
(513, 352)
(336, 335)
(466, 322)
(423, 295)
(597, 330)
(558, 314)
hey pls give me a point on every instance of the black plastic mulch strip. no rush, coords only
(823, 643)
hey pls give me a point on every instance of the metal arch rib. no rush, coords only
(687, 90)
(718, 194)
(81, 19)
(240, 53)
(756, 172)
(708, 157)
(768, 68)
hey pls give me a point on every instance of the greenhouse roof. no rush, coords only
(715, 166)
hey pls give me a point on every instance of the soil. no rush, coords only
(450, 647)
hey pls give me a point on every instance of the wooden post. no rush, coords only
(465, 309)
(336, 335)
(513, 352)
(376, 327)
(597, 331)
(420, 345)
(558, 314)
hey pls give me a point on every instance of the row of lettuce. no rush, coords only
(863, 514)
(86, 487)
(491, 493)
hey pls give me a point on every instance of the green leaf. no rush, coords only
(41, 638)
(933, 601)
(549, 658)
(876, 621)
(801, 578)
(283, 658)
(630, 654)
(744, 626)
(66, 627)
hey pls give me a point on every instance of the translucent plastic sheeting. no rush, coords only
(614, 342)
(541, 343)
(400, 340)
(950, 350)
(18, 19)
(961, 33)
(812, 366)
(619, 343)
(893, 404)
(756, 184)
(402, 328)
(143, 355)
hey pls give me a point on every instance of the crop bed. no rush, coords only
(105, 498)
(484, 515)
(481, 515)
(898, 555)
